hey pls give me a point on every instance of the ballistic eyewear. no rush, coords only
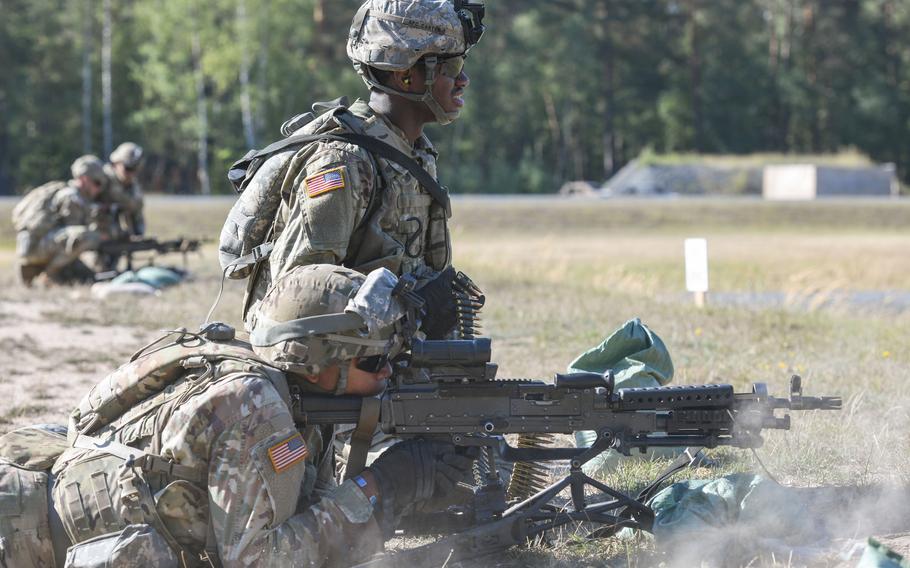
(451, 66)
(373, 364)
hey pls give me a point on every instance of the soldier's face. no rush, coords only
(361, 383)
(124, 173)
(449, 87)
(364, 383)
(91, 187)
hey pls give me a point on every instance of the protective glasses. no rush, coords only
(451, 66)
(373, 364)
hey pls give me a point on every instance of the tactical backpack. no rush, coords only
(248, 232)
(33, 213)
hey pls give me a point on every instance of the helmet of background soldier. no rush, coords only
(320, 315)
(129, 154)
(394, 36)
(91, 166)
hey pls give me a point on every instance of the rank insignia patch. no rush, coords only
(289, 452)
(324, 182)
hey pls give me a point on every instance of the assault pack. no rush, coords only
(33, 213)
(247, 235)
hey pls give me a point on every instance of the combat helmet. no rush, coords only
(320, 315)
(394, 35)
(129, 154)
(91, 166)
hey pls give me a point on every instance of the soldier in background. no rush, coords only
(124, 191)
(119, 215)
(191, 449)
(52, 225)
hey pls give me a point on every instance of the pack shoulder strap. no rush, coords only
(436, 191)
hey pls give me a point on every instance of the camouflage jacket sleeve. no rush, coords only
(330, 195)
(258, 463)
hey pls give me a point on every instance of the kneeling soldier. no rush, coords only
(52, 221)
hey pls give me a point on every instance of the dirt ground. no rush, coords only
(47, 361)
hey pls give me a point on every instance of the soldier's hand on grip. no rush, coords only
(415, 472)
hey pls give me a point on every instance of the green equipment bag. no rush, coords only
(33, 213)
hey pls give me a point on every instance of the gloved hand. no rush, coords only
(416, 471)
(440, 311)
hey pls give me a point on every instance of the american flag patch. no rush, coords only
(287, 453)
(324, 182)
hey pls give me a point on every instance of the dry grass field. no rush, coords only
(559, 276)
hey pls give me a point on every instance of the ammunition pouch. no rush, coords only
(135, 545)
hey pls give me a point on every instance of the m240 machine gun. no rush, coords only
(448, 390)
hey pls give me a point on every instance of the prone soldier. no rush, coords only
(52, 225)
(190, 451)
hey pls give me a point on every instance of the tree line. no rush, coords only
(560, 89)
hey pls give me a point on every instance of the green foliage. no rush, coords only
(562, 90)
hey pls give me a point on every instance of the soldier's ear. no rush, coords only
(403, 80)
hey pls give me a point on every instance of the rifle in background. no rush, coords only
(127, 247)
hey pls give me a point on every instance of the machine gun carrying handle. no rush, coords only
(586, 381)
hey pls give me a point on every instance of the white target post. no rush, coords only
(697, 269)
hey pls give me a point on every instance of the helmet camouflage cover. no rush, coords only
(320, 315)
(393, 35)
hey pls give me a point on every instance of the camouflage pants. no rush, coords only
(58, 249)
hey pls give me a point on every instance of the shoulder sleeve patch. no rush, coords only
(288, 452)
(325, 181)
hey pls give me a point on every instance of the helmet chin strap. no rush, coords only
(442, 117)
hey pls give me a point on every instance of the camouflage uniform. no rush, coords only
(329, 189)
(408, 233)
(25, 456)
(69, 238)
(260, 512)
(126, 201)
(121, 212)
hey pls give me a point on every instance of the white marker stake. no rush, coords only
(697, 269)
